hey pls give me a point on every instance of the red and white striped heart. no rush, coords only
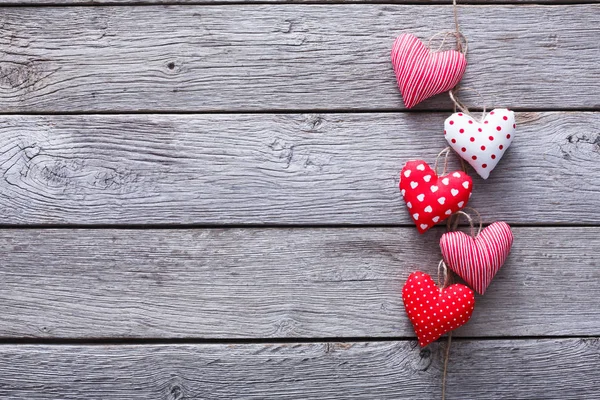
(481, 144)
(431, 199)
(477, 260)
(421, 73)
(434, 311)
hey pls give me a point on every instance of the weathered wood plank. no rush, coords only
(278, 57)
(208, 2)
(284, 169)
(503, 369)
(277, 283)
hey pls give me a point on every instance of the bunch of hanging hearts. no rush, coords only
(431, 198)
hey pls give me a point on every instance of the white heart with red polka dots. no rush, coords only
(481, 144)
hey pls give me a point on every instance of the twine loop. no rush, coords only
(458, 104)
(462, 44)
(442, 272)
(469, 218)
(447, 150)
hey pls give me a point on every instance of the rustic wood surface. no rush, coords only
(386, 370)
(437, 3)
(278, 168)
(285, 57)
(199, 200)
(278, 283)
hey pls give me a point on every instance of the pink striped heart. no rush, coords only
(476, 260)
(421, 73)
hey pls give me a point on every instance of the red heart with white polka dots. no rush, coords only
(429, 198)
(421, 73)
(476, 260)
(434, 311)
(481, 144)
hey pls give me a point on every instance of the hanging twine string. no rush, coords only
(458, 104)
(443, 276)
(462, 44)
(452, 93)
(470, 219)
(458, 34)
(447, 152)
(446, 358)
(442, 269)
(442, 283)
(446, 34)
(452, 226)
(461, 40)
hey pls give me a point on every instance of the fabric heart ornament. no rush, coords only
(421, 73)
(434, 311)
(477, 260)
(481, 144)
(429, 198)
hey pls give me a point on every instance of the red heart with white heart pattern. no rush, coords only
(429, 198)
(476, 260)
(481, 144)
(434, 311)
(421, 73)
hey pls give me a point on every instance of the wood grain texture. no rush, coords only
(503, 369)
(278, 283)
(208, 2)
(278, 169)
(285, 57)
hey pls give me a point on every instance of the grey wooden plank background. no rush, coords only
(389, 370)
(278, 283)
(285, 57)
(274, 115)
(208, 2)
(278, 168)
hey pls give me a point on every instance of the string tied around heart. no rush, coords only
(442, 268)
(443, 276)
(462, 107)
(453, 226)
(462, 45)
(458, 33)
(446, 153)
(443, 271)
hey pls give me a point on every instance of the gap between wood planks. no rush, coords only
(292, 111)
(307, 2)
(155, 226)
(241, 341)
